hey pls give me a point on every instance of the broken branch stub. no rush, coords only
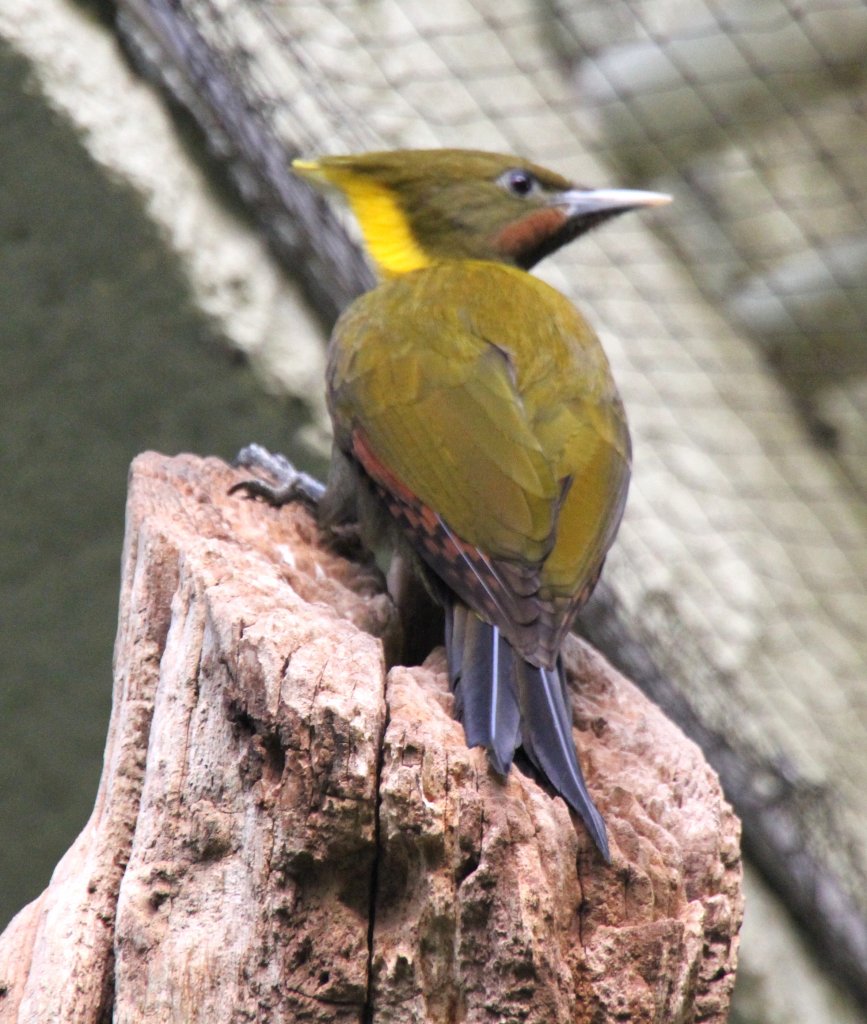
(286, 831)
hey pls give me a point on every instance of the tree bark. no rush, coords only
(287, 830)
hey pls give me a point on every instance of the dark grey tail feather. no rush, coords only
(546, 724)
(504, 702)
(483, 678)
(456, 618)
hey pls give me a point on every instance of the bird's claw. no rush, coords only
(290, 484)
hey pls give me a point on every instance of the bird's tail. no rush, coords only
(505, 702)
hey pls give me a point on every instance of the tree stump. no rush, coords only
(286, 830)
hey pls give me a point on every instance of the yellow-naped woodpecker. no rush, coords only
(475, 416)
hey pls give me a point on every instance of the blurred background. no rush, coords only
(107, 349)
(141, 307)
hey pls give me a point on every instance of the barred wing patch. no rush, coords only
(505, 593)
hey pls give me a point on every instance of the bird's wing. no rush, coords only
(472, 491)
(432, 402)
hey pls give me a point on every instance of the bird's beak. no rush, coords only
(603, 202)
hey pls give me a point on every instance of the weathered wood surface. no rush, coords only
(286, 830)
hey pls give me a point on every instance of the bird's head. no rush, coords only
(417, 207)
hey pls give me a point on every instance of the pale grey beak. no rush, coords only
(581, 202)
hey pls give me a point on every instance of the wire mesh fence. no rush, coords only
(756, 115)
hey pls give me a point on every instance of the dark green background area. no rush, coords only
(101, 356)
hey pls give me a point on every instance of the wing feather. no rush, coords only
(482, 408)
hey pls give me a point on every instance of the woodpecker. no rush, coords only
(477, 425)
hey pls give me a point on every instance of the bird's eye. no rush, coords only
(518, 181)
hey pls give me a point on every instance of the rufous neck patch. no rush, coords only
(524, 235)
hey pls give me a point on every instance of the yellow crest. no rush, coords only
(383, 223)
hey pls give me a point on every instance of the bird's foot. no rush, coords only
(290, 484)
